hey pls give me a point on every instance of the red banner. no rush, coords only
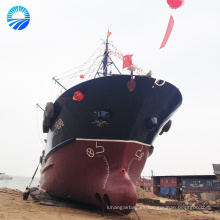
(168, 32)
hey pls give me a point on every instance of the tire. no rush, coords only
(49, 110)
(46, 125)
(151, 150)
(166, 127)
(45, 129)
(48, 115)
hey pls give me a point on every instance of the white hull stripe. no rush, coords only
(123, 141)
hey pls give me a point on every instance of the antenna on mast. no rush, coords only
(105, 63)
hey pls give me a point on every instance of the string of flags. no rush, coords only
(114, 51)
(117, 53)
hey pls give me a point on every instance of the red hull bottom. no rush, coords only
(97, 172)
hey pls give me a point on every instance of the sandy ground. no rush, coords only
(13, 207)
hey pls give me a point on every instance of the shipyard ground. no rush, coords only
(14, 207)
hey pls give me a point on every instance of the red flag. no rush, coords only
(127, 61)
(168, 32)
(109, 33)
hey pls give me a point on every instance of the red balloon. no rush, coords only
(82, 76)
(174, 4)
(78, 96)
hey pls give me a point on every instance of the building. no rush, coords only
(200, 184)
(145, 183)
(170, 186)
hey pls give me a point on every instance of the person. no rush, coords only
(26, 193)
(167, 194)
(180, 194)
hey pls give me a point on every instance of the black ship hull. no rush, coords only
(129, 112)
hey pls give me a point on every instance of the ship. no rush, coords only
(100, 133)
(3, 176)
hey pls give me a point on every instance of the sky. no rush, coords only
(63, 34)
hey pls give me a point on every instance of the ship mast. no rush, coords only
(104, 62)
(103, 67)
(105, 59)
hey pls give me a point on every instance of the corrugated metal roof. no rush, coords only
(186, 176)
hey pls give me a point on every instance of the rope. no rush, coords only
(64, 98)
(122, 214)
(64, 77)
(71, 75)
(94, 65)
(79, 70)
(34, 175)
(155, 83)
(137, 215)
(38, 129)
(77, 66)
(154, 59)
